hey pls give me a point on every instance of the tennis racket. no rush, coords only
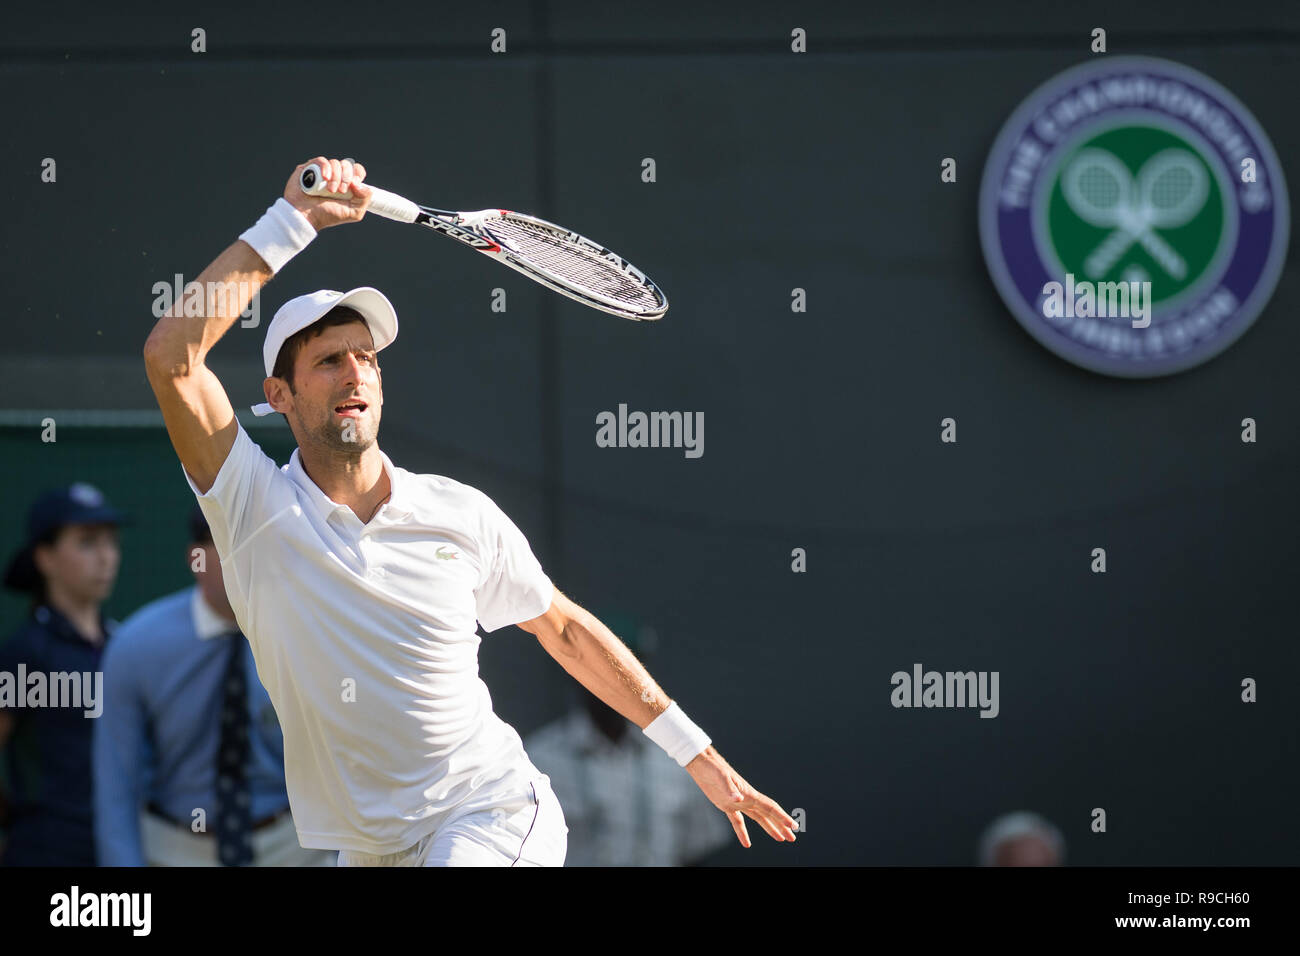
(1169, 191)
(558, 258)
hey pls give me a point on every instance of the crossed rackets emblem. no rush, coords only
(1168, 191)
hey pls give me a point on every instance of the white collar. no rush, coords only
(396, 506)
(207, 623)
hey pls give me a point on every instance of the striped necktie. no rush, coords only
(234, 803)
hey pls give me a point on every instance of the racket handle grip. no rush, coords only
(382, 202)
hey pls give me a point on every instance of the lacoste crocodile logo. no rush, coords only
(446, 556)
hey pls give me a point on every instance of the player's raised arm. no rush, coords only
(196, 410)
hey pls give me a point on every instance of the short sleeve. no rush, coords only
(514, 587)
(245, 495)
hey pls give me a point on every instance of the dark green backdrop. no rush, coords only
(1118, 691)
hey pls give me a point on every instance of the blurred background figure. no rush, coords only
(627, 802)
(68, 566)
(189, 755)
(1021, 839)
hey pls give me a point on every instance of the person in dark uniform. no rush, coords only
(68, 565)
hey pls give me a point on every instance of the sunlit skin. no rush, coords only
(338, 450)
(80, 568)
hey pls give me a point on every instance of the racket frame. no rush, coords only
(466, 228)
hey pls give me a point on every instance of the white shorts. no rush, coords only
(524, 828)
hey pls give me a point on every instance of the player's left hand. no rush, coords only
(737, 799)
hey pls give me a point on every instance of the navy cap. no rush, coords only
(79, 503)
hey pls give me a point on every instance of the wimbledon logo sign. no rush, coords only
(1139, 183)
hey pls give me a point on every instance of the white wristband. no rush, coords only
(678, 735)
(280, 234)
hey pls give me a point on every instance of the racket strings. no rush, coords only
(1100, 187)
(576, 264)
(1172, 188)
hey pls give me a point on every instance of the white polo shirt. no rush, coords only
(364, 637)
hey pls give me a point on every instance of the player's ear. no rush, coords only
(276, 391)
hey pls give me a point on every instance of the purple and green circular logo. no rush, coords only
(1134, 216)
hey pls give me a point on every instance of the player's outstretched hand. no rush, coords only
(341, 176)
(737, 799)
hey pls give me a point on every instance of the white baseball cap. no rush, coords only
(296, 314)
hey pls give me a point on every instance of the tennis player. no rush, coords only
(359, 584)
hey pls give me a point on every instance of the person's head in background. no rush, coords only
(640, 640)
(1021, 839)
(203, 560)
(73, 551)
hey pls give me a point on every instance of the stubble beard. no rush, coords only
(329, 435)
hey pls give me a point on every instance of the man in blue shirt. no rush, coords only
(189, 757)
(68, 566)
